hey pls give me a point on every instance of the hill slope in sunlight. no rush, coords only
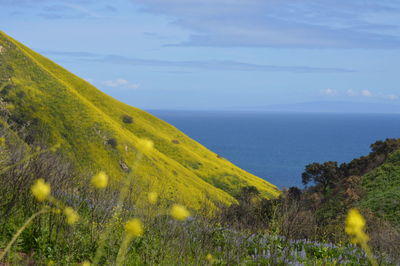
(98, 132)
(381, 189)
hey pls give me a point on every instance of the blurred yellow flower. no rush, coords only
(55, 147)
(86, 263)
(56, 211)
(134, 227)
(179, 212)
(355, 224)
(210, 258)
(40, 189)
(51, 263)
(2, 141)
(100, 180)
(354, 227)
(152, 197)
(146, 145)
(71, 215)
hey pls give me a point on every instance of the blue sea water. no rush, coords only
(277, 146)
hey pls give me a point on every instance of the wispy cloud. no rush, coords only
(366, 93)
(70, 54)
(329, 92)
(120, 83)
(227, 65)
(61, 9)
(67, 11)
(392, 97)
(283, 23)
(351, 93)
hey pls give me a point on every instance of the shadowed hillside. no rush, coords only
(98, 132)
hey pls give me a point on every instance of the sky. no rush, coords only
(219, 54)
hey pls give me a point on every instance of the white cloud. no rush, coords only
(120, 83)
(359, 94)
(115, 83)
(352, 93)
(366, 93)
(329, 92)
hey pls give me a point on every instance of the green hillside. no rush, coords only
(98, 132)
(382, 189)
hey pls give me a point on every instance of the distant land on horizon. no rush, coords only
(330, 107)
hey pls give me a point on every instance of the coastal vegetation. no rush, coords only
(88, 180)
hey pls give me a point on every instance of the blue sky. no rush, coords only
(219, 54)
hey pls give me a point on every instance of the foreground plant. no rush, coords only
(100, 181)
(152, 197)
(146, 147)
(41, 190)
(355, 225)
(71, 215)
(133, 228)
(179, 212)
(19, 232)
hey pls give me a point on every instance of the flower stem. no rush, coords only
(18, 233)
(123, 249)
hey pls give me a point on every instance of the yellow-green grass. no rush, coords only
(68, 110)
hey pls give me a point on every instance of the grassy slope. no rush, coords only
(74, 113)
(382, 189)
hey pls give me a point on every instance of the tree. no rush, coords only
(294, 194)
(386, 147)
(247, 193)
(326, 174)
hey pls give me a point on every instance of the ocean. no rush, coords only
(277, 146)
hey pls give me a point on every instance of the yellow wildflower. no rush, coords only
(100, 180)
(41, 189)
(56, 211)
(55, 147)
(145, 145)
(86, 263)
(51, 263)
(152, 197)
(210, 258)
(179, 212)
(355, 224)
(2, 141)
(71, 214)
(134, 227)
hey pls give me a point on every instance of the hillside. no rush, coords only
(97, 132)
(382, 189)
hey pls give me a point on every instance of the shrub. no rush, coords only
(112, 142)
(127, 119)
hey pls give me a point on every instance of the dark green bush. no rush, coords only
(127, 119)
(112, 142)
